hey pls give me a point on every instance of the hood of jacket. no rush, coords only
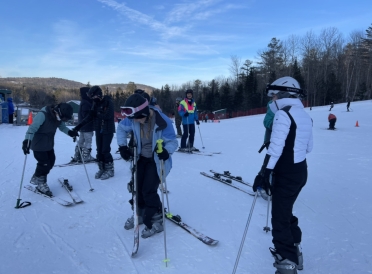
(281, 103)
(84, 96)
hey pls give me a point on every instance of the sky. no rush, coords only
(156, 42)
(334, 208)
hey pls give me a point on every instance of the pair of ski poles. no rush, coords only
(188, 132)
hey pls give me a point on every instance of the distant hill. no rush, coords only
(57, 83)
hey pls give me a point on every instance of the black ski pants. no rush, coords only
(45, 162)
(103, 143)
(286, 232)
(332, 123)
(148, 183)
(187, 134)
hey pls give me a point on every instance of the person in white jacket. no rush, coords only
(285, 163)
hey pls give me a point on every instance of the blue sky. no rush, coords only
(155, 42)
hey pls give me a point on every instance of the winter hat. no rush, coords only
(64, 111)
(285, 87)
(143, 94)
(95, 91)
(136, 106)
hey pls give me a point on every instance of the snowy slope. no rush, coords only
(334, 208)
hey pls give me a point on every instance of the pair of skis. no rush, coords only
(202, 153)
(65, 184)
(73, 163)
(227, 178)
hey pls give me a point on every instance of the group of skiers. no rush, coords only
(282, 175)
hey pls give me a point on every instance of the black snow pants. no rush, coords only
(103, 143)
(187, 134)
(45, 162)
(286, 232)
(148, 183)
(332, 123)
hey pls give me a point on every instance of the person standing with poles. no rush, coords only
(149, 125)
(188, 111)
(284, 170)
(178, 118)
(40, 138)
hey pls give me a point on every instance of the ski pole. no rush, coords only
(82, 159)
(23, 204)
(160, 150)
(201, 137)
(245, 233)
(267, 228)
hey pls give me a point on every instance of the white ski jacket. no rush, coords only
(292, 135)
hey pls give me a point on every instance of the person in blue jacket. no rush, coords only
(147, 124)
(10, 110)
(188, 111)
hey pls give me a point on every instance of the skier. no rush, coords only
(40, 138)
(86, 132)
(348, 105)
(206, 118)
(331, 106)
(178, 118)
(10, 110)
(102, 115)
(188, 111)
(332, 121)
(148, 125)
(285, 161)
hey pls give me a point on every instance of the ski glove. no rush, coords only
(186, 114)
(164, 155)
(197, 122)
(125, 153)
(262, 180)
(73, 133)
(26, 144)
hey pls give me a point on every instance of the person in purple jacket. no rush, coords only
(10, 110)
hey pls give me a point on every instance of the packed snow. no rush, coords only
(334, 208)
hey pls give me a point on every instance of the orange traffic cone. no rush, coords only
(357, 124)
(29, 121)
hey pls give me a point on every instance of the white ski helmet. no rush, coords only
(285, 87)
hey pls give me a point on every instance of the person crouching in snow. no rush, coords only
(148, 125)
(332, 121)
(285, 163)
(40, 138)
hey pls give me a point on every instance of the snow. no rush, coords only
(334, 208)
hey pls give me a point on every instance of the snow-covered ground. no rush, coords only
(334, 208)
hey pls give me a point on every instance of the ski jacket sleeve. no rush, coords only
(124, 127)
(280, 130)
(36, 123)
(62, 127)
(169, 136)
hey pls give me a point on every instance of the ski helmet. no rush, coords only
(64, 111)
(285, 87)
(136, 106)
(95, 91)
(189, 91)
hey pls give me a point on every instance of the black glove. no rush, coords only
(73, 133)
(26, 146)
(125, 153)
(262, 180)
(197, 122)
(93, 113)
(77, 128)
(186, 114)
(164, 155)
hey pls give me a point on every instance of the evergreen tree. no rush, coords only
(296, 74)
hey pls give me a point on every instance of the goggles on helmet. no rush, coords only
(273, 89)
(130, 111)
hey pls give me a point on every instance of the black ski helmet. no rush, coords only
(189, 91)
(64, 111)
(136, 100)
(95, 91)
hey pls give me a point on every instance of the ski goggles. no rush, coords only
(130, 111)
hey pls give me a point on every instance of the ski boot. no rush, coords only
(194, 149)
(42, 186)
(129, 224)
(108, 171)
(86, 155)
(100, 171)
(157, 226)
(300, 265)
(283, 266)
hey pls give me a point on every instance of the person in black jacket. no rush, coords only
(40, 138)
(102, 116)
(86, 132)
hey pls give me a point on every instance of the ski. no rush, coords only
(195, 153)
(80, 163)
(227, 174)
(226, 182)
(176, 219)
(74, 196)
(53, 198)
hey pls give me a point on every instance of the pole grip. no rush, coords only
(159, 144)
